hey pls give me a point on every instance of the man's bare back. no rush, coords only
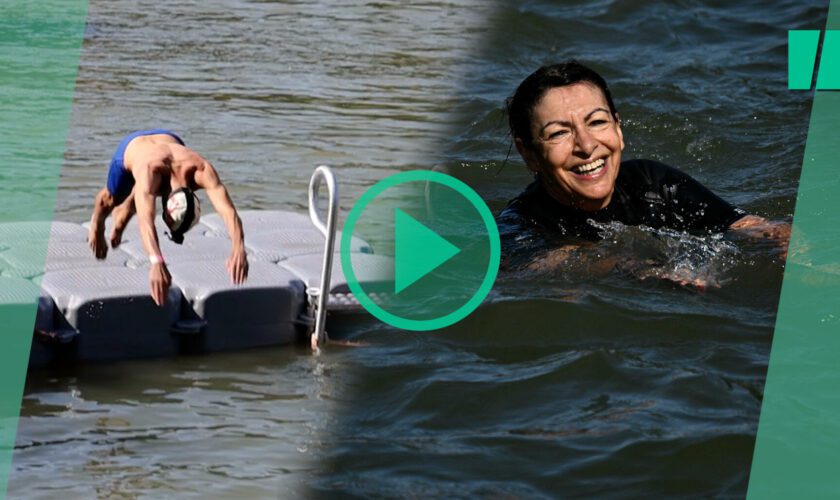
(155, 163)
(176, 162)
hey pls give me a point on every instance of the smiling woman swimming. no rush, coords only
(567, 130)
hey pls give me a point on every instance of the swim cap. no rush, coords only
(181, 213)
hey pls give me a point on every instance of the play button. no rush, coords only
(442, 240)
(418, 250)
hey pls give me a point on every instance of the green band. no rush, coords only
(802, 54)
(39, 57)
(796, 451)
(829, 75)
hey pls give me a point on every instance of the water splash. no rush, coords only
(695, 260)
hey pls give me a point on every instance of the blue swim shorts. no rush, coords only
(120, 180)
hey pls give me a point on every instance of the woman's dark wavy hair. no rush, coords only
(520, 106)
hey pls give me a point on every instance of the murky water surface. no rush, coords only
(580, 381)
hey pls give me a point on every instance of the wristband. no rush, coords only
(156, 259)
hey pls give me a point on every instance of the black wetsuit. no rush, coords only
(646, 193)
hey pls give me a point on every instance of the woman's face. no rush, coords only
(576, 145)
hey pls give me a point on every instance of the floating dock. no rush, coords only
(92, 310)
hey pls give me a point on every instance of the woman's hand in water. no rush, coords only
(760, 228)
(560, 258)
(553, 260)
(595, 263)
(679, 277)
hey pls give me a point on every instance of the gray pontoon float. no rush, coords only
(92, 310)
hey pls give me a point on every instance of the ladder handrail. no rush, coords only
(325, 175)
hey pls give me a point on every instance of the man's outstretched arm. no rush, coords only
(147, 178)
(237, 263)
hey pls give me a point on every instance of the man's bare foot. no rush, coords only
(120, 221)
(96, 240)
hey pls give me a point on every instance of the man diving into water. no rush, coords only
(151, 163)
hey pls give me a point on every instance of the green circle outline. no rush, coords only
(492, 266)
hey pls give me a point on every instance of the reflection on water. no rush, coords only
(246, 424)
(581, 381)
(268, 90)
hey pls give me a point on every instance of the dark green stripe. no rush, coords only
(39, 57)
(798, 443)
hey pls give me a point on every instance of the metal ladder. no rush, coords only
(318, 296)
